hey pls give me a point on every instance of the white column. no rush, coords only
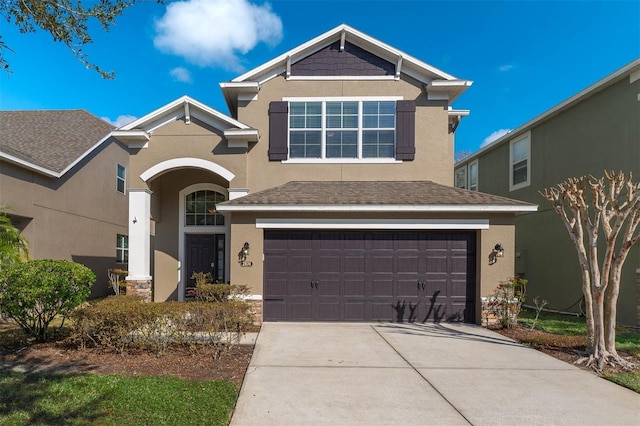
(139, 235)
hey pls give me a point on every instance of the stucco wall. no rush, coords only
(75, 217)
(434, 147)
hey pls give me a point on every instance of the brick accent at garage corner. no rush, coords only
(140, 288)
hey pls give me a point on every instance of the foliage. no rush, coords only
(67, 21)
(125, 322)
(116, 280)
(539, 307)
(506, 301)
(13, 246)
(588, 205)
(208, 291)
(33, 293)
(27, 399)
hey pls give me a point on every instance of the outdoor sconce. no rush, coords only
(498, 251)
(242, 255)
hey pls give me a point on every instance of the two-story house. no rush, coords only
(328, 191)
(64, 181)
(597, 129)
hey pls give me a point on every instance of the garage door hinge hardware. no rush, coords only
(314, 284)
(421, 284)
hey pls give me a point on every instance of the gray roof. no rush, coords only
(52, 139)
(360, 193)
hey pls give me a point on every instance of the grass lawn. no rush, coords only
(36, 399)
(627, 340)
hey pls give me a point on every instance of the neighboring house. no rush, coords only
(597, 129)
(328, 191)
(64, 179)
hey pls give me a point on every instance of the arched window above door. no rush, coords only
(200, 208)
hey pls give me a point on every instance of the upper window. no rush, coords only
(473, 176)
(461, 177)
(519, 165)
(121, 175)
(201, 209)
(342, 129)
(122, 248)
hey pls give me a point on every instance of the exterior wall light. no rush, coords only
(498, 251)
(242, 255)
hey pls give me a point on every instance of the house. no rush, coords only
(64, 179)
(328, 190)
(595, 130)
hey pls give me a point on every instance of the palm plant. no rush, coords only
(13, 246)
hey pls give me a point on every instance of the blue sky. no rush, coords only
(523, 56)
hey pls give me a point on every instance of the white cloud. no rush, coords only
(121, 120)
(493, 136)
(505, 68)
(216, 32)
(181, 74)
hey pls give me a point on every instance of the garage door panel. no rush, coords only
(382, 311)
(275, 310)
(300, 287)
(300, 311)
(277, 287)
(353, 263)
(408, 288)
(355, 311)
(329, 311)
(328, 287)
(330, 263)
(355, 287)
(408, 264)
(382, 263)
(382, 288)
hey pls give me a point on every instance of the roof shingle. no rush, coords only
(51, 139)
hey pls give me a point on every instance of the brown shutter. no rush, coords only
(278, 130)
(405, 130)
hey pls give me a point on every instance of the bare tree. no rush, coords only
(586, 205)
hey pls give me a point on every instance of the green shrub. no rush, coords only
(121, 323)
(205, 292)
(33, 293)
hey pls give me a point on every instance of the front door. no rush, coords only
(204, 253)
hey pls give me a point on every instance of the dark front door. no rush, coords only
(204, 253)
(401, 276)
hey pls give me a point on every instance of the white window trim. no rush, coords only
(124, 180)
(527, 182)
(199, 229)
(466, 177)
(123, 249)
(359, 159)
(473, 163)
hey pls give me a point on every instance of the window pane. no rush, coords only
(388, 121)
(334, 108)
(342, 144)
(350, 122)
(200, 208)
(120, 185)
(314, 122)
(520, 172)
(334, 122)
(461, 178)
(297, 108)
(519, 150)
(370, 121)
(297, 122)
(370, 108)
(388, 107)
(378, 144)
(473, 176)
(314, 108)
(121, 171)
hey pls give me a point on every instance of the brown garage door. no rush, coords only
(369, 276)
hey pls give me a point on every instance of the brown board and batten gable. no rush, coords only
(49, 142)
(350, 60)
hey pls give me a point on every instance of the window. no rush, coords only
(461, 177)
(201, 209)
(349, 129)
(473, 176)
(519, 167)
(122, 248)
(121, 174)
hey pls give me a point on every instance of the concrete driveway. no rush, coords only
(426, 374)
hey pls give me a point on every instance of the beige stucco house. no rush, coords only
(328, 190)
(597, 129)
(63, 178)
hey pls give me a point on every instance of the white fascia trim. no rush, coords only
(132, 138)
(342, 98)
(178, 163)
(380, 208)
(250, 135)
(341, 161)
(459, 112)
(335, 34)
(19, 162)
(47, 172)
(341, 77)
(372, 223)
(179, 106)
(578, 97)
